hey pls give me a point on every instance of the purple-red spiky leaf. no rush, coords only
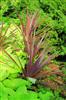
(28, 25)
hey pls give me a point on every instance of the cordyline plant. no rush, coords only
(37, 45)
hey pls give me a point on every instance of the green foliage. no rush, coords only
(57, 97)
(8, 68)
(55, 10)
(11, 51)
(15, 83)
(46, 96)
(18, 89)
(63, 50)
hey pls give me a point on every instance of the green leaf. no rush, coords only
(3, 94)
(15, 83)
(26, 96)
(46, 96)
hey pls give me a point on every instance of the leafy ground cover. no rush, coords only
(21, 89)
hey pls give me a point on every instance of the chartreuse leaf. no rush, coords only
(4, 97)
(15, 83)
(10, 91)
(26, 96)
(46, 96)
(1, 88)
(21, 89)
(33, 95)
(4, 73)
(23, 94)
(19, 92)
(3, 94)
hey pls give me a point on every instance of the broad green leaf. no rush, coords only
(15, 83)
(46, 96)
